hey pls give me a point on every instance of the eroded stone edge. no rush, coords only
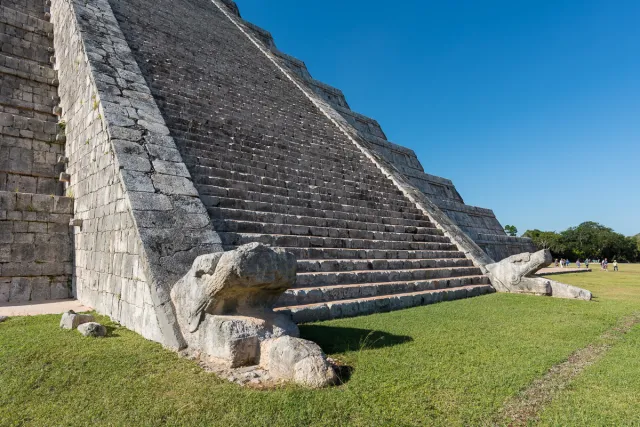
(148, 192)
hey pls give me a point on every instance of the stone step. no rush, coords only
(267, 203)
(332, 293)
(16, 18)
(370, 305)
(266, 150)
(320, 160)
(19, 48)
(357, 254)
(27, 69)
(227, 170)
(341, 203)
(288, 241)
(260, 136)
(259, 172)
(235, 226)
(197, 156)
(333, 265)
(319, 226)
(379, 276)
(320, 219)
(232, 179)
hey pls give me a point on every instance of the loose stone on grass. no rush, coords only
(92, 329)
(71, 320)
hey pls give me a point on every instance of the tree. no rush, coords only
(511, 230)
(587, 240)
(545, 240)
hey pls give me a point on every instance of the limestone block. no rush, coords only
(92, 329)
(71, 320)
(297, 360)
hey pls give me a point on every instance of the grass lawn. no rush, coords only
(453, 363)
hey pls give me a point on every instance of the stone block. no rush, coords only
(20, 289)
(71, 319)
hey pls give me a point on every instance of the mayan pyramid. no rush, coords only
(139, 134)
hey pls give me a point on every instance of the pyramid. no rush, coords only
(178, 129)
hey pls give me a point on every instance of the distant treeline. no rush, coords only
(588, 240)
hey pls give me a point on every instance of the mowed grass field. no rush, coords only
(453, 363)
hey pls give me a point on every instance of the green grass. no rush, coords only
(453, 363)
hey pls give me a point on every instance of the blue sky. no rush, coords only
(531, 108)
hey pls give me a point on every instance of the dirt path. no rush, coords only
(47, 307)
(525, 408)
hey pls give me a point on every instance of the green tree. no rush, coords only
(545, 240)
(511, 230)
(587, 240)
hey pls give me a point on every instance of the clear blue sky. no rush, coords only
(531, 108)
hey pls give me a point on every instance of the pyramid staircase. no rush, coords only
(361, 246)
(270, 169)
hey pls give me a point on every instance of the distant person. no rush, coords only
(578, 263)
(557, 263)
(615, 265)
(605, 264)
(561, 262)
(568, 263)
(586, 263)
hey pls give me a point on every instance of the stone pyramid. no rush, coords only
(185, 131)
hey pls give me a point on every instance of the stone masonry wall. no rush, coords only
(142, 221)
(35, 247)
(28, 130)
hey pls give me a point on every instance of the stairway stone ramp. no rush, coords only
(271, 168)
(36, 252)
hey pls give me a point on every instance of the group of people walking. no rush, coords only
(604, 264)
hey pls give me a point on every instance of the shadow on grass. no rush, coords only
(340, 340)
(112, 331)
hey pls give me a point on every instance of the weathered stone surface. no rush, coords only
(298, 360)
(232, 296)
(248, 281)
(561, 290)
(72, 320)
(235, 340)
(92, 329)
(516, 274)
